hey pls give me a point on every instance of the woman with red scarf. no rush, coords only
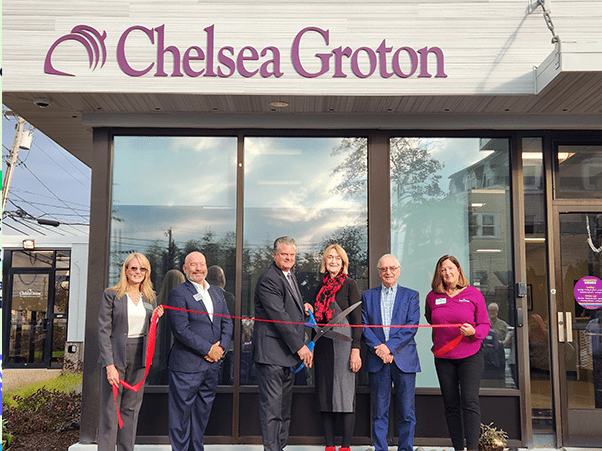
(337, 362)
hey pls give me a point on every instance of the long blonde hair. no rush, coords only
(146, 287)
(438, 285)
(341, 253)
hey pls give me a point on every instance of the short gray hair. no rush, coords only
(283, 240)
(384, 256)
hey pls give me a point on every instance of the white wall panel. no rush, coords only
(490, 47)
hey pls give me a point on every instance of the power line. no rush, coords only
(49, 190)
(14, 228)
(87, 206)
(33, 204)
(62, 153)
(62, 167)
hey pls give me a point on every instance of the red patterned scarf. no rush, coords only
(325, 298)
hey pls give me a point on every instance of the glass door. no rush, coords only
(579, 299)
(29, 338)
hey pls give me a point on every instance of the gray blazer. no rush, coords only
(113, 328)
(277, 343)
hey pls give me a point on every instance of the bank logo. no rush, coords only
(90, 38)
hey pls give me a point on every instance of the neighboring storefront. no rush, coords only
(44, 301)
(416, 128)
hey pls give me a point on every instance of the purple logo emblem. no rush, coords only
(92, 40)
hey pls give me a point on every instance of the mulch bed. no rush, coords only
(46, 441)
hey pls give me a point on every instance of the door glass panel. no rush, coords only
(173, 195)
(537, 287)
(452, 196)
(32, 259)
(60, 316)
(581, 256)
(28, 318)
(314, 190)
(579, 171)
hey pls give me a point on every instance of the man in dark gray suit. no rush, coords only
(278, 345)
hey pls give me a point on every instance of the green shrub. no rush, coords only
(43, 411)
(7, 437)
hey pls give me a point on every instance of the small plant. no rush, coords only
(492, 439)
(7, 437)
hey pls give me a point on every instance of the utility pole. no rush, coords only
(10, 165)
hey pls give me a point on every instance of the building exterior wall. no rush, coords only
(486, 47)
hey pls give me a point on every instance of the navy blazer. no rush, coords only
(113, 328)
(406, 310)
(195, 333)
(277, 343)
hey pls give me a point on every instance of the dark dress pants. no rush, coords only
(275, 400)
(189, 403)
(380, 388)
(459, 380)
(129, 402)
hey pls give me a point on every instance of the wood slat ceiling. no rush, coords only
(575, 93)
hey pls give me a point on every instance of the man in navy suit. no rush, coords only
(278, 345)
(392, 358)
(200, 338)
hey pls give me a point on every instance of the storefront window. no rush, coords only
(171, 196)
(314, 190)
(579, 171)
(452, 196)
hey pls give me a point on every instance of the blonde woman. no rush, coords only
(123, 324)
(337, 362)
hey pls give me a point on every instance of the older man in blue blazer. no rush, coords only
(200, 338)
(392, 356)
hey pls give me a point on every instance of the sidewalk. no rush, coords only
(13, 378)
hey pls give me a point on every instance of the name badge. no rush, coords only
(440, 301)
(197, 297)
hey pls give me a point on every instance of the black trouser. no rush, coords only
(459, 380)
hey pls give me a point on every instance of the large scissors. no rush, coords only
(325, 331)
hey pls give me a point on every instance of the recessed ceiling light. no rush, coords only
(279, 104)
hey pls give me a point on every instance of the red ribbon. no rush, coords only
(448, 347)
(150, 352)
(152, 336)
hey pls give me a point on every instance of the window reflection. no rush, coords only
(452, 196)
(579, 171)
(313, 189)
(171, 196)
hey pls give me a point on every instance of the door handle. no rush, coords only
(569, 327)
(561, 338)
(565, 327)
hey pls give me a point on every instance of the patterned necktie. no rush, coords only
(289, 276)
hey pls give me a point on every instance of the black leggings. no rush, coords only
(347, 419)
(459, 380)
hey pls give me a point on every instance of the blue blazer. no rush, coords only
(195, 333)
(406, 310)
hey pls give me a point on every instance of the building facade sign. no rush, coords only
(226, 61)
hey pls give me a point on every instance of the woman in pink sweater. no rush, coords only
(460, 363)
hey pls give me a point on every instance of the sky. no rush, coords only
(48, 182)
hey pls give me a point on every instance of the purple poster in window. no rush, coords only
(588, 292)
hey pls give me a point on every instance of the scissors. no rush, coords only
(325, 331)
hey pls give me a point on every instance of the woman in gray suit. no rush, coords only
(125, 315)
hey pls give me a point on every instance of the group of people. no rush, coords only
(279, 345)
